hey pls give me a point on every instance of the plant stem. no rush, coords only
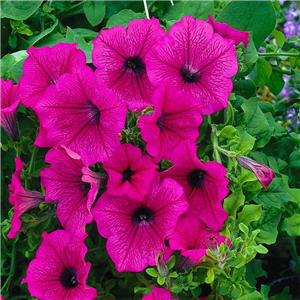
(31, 167)
(278, 70)
(142, 279)
(277, 54)
(295, 256)
(12, 269)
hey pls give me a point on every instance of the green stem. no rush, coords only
(18, 149)
(295, 256)
(215, 145)
(142, 279)
(12, 269)
(278, 70)
(277, 54)
(31, 167)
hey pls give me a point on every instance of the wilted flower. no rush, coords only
(159, 294)
(9, 104)
(59, 271)
(263, 173)
(21, 199)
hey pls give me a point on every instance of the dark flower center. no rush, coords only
(86, 187)
(136, 65)
(68, 278)
(188, 75)
(196, 178)
(127, 174)
(93, 112)
(160, 122)
(142, 214)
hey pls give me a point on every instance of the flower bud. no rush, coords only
(212, 244)
(160, 264)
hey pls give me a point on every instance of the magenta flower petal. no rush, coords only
(136, 230)
(9, 103)
(227, 32)
(119, 54)
(44, 66)
(263, 173)
(63, 183)
(21, 199)
(190, 237)
(159, 294)
(82, 115)
(59, 271)
(196, 60)
(204, 184)
(130, 172)
(176, 118)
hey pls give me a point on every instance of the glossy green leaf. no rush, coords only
(94, 11)
(275, 83)
(123, 18)
(261, 72)
(248, 16)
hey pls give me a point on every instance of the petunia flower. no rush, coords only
(70, 182)
(59, 271)
(191, 237)
(227, 32)
(9, 104)
(204, 184)
(136, 230)
(44, 66)
(176, 118)
(119, 54)
(196, 60)
(83, 115)
(130, 172)
(21, 199)
(263, 173)
(159, 294)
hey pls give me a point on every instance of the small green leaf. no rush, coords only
(245, 88)
(94, 11)
(250, 213)
(123, 18)
(261, 72)
(292, 225)
(275, 83)
(161, 280)
(171, 262)
(234, 201)
(198, 9)
(295, 61)
(152, 272)
(279, 36)
(261, 249)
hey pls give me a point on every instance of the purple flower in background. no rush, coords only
(290, 28)
(291, 118)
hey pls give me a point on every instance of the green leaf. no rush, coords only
(281, 149)
(171, 262)
(256, 122)
(292, 225)
(248, 16)
(275, 83)
(198, 9)
(267, 225)
(245, 88)
(279, 36)
(19, 10)
(250, 213)
(94, 11)
(295, 61)
(174, 12)
(247, 141)
(123, 18)
(254, 270)
(261, 72)
(234, 201)
(161, 280)
(294, 159)
(6, 63)
(152, 272)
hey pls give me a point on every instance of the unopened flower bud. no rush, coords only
(212, 244)
(160, 264)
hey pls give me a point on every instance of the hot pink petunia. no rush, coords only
(176, 118)
(44, 66)
(83, 115)
(264, 174)
(227, 32)
(196, 60)
(190, 236)
(204, 184)
(137, 230)
(21, 199)
(159, 294)
(59, 271)
(119, 54)
(9, 103)
(130, 172)
(75, 190)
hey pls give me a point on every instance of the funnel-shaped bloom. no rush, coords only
(136, 230)
(83, 115)
(190, 236)
(196, 60)
(227, 32)
(159, 294)
(130, 172)
(44, 66)
(59, 271)
(176, 118)
(263, 173)
(119, 54)
(204, 184)
(75, 191)
(9, 104)
(21, 199)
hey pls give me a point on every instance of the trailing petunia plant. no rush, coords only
(147, 151)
